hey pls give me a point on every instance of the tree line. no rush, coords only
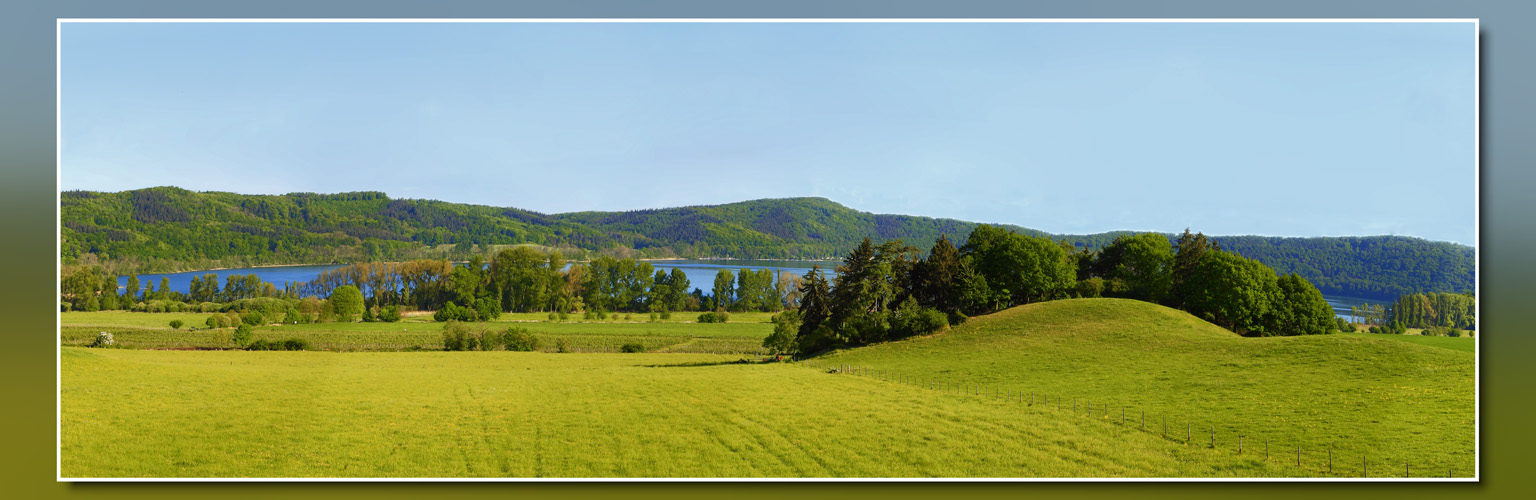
(891, 291)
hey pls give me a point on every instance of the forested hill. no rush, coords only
(167, 228)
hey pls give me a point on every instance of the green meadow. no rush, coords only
(1384, 399)
(970, 401)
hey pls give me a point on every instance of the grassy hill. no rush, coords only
(172, 229)
(1367, 396)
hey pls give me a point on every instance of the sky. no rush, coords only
(1280, 129)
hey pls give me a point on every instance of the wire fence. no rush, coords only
(1313, 461)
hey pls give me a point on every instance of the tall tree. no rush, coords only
(723, 289)
(1189, 249)
(1233, 292)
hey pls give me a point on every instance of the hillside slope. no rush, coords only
(1391, 401)
(168, 228)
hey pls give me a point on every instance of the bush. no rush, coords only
(564, 316)
(632, 347)
(654, 317)
(553, 316)
(1375, 329)
(294, 344)
(519, 339)
(453, 312)
(103, 339)
(626, 316)
(714, 317)
(347, 303)
(665, 315)
(390, 314)
(1453, 333)
(957, 318)
(253, 318)
(562, 345)
(213, 322)
(64, 307)
(242, 336)
(176, 324)
(368, 315)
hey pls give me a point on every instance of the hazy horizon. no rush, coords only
(1269, 129)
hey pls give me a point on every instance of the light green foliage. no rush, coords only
(786, 326)
(242, 335)
(346, 303)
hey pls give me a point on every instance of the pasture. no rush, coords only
(1388, 399)
(138, 413)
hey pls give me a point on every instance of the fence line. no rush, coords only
(945, 385)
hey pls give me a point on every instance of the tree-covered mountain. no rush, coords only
(167, 228)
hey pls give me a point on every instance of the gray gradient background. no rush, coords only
(27, 198)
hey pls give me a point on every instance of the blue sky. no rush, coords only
(1287, 129)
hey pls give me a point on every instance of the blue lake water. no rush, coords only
(701, 273)
(1341, 303)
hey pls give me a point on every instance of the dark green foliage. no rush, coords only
(714, 317)
(632, 347)
(368, 315)
(242, 335)
(214, 322)
(389, 314)
(253, 318)
(453, 312)
(1143, 262)
(1019, 268)
(1425, 310)
(294, 344)
(176, 324)
(519, 339)
(1232, 292)
(1300, 309)
(562, 345)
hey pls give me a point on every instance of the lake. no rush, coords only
(701, 273)
(1341, 303)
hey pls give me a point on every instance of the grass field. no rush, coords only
(1388, 399)
(744, 334)
(136, 413)
(969, 401)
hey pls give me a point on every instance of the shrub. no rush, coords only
(632, 347)
(294, 344)
(1375, 329)
(208, 307)
(562, 345)
(176, 324)
(957, 318)
(390, 314)
(1454, 333)
(368, 315)
(213, 322)
(292, 317)
(553, 316)
(253, 318)
(666, 315)
(654, 317)
(242, 336)
(519, 339)
(626, 316)
(564, 316)
(453, 312)
(103, 339)
(347, 303)
(714, 317)
(64, 307)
